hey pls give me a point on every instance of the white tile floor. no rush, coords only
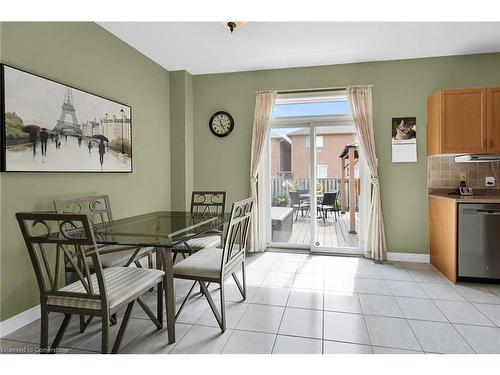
(299, 303)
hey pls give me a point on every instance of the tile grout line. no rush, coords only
(450, 323)
(323, 315)
(284, 311)
(408, 323)
(239, 320)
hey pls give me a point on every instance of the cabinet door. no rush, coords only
(463, 121)
(493, 119)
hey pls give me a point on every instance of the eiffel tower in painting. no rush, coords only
(67, 109)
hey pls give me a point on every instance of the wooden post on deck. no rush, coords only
(343, 200)
(352, 192)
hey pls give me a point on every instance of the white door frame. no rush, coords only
(264, 186)
(314, 245)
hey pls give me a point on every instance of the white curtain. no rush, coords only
(360, 98)
(264, 104)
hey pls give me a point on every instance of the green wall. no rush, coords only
(181, 132)
(400, 88)
(88, 57)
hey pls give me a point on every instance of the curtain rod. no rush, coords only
(298, 91)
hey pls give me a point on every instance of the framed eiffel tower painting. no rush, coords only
(48, 126)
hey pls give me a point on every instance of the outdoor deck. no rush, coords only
(330, 234)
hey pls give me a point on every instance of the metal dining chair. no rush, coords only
(98, 208)
(204, 205)
(53, 239)
(214, 265)
(297, 204)
(328, 203)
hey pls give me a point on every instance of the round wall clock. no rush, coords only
(221, 124)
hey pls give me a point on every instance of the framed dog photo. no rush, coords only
(48, 126)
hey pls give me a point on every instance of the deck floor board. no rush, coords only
(331, 233)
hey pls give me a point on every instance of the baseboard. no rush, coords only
(19, 321)
(409, 257)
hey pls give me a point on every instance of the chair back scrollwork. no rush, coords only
(98, 208)
(205, 204)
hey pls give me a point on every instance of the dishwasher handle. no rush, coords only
(484, 212)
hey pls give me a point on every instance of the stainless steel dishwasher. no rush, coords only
(479, 240)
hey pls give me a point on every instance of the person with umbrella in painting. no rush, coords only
(102, 147)
(102, 151)
(44, 137)
(33, 141)
(32, 130)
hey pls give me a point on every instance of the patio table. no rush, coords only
(161, 230)
(319, 197)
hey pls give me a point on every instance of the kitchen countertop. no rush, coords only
(480, 196)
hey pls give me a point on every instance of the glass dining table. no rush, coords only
(161, 230)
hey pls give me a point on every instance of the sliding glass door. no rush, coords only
(335, 199)
(314, 180)
(290, 202)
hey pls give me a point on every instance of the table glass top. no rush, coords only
(157, 228)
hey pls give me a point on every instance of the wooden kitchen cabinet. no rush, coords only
(493, 119)
(443, 236)
(457, 121)
(464, 121)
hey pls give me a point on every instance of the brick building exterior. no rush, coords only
(329, 147)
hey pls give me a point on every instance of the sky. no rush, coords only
(38, 101)
(312, 109)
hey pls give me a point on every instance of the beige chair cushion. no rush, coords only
(205, 263)
(121, 284)
(118, 258)
(200, 243)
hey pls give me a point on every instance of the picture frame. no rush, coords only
(48, 126)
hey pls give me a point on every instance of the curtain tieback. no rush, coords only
(253, 180)
(374, 180)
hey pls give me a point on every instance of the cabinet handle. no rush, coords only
(491, 143)
(484, 144)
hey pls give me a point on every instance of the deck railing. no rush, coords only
(282, 185)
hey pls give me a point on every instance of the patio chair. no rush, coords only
(328, 203)
(99, 210)
(53, 238)
(204, 205)
(297, 204)
(214, 265)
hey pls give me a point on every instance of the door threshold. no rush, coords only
(305, 251)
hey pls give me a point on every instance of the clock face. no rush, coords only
(221, 123)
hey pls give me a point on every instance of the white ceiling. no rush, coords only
(208, 47)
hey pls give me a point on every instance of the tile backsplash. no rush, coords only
(443, 172)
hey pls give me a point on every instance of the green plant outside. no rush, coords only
(280, 200)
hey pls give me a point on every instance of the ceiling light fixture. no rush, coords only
(233, 25)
